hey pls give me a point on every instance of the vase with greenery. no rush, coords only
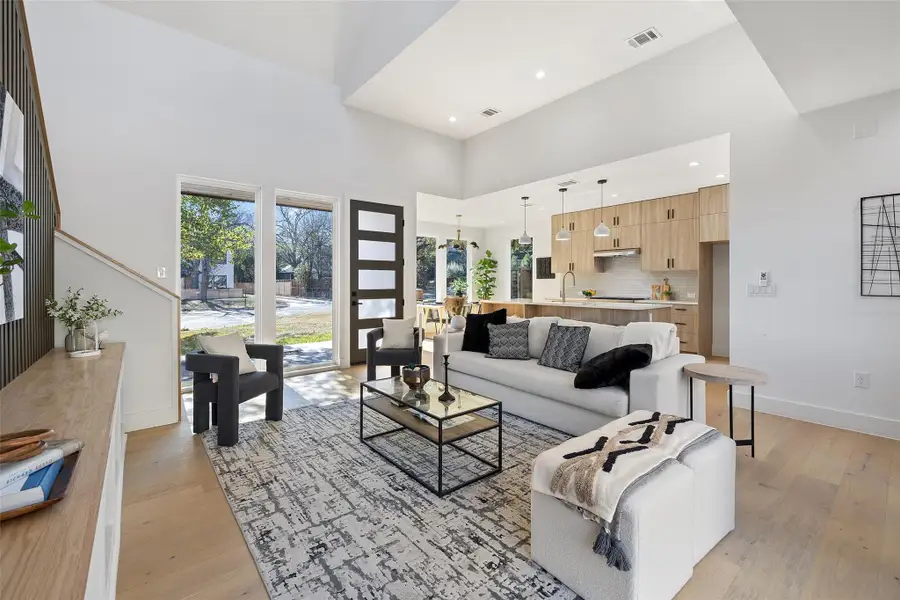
(80, 319)
(486, 277)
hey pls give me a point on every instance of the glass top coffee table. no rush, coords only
(441, 423)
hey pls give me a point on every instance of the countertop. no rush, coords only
(47, 554)
(606, 305)
(669, 302)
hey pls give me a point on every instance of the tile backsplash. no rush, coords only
(624, 277)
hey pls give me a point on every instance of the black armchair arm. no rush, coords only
(201, 364)
(376, 334)
(273, 354)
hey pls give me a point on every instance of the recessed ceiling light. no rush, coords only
(615, 195)
(720, 176)
(453, 119)
(693, 163)
(540, 74)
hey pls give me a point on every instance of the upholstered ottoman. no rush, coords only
(655, 526)
(669, 522)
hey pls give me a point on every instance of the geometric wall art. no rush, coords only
(12, 188)
(880, 246)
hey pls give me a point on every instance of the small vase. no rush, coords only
(82, 340)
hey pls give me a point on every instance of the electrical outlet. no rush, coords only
(160, 272)
(860, 379)
(691, 296)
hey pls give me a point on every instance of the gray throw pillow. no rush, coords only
(565, 347)
(508, 341)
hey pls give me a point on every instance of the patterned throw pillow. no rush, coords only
(565, 347)
(509, 341)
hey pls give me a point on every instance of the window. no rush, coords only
(303, 283)
(457, 268)
(426, 268)
(217, 270)
(520, 266)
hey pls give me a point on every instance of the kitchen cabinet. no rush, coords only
(670, 246)
(580, 220)
(627, 215)
(713, 206)
(628, 237)
(560, 256)
(620, 237)
(672, 208)
(575, 254)
(685, 319)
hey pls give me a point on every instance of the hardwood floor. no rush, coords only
(818, 515)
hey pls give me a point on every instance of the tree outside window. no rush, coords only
(457, 268)
(426, 267)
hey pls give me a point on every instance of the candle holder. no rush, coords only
(446, 397)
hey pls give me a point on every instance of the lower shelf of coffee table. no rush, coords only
(407, 418)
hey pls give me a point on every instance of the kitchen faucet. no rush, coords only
(562, 290)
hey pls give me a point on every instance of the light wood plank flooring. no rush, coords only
(818, 515)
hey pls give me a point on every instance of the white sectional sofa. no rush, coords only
(548, 396)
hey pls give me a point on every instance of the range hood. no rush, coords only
(615, 253)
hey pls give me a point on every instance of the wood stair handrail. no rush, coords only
(143, 279)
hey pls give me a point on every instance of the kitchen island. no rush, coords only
(593, 311)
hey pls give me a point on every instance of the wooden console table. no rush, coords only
(69, 550)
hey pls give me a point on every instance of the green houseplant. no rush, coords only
(80, 320)
(458, 286)
(486, 276)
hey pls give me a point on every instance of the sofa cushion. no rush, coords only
(476, 337)
(603, 338)
(662, 337)
(613, 367)
(538, 330)
(565, 347)
(529, 377)
(509, 341)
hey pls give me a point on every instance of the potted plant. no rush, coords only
(486, 276)
(458, 287)
(80, 320)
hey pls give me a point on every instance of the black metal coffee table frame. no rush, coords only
(384, 406)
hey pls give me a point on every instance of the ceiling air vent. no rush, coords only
(489, 112)
(644, 38)
(565, 184)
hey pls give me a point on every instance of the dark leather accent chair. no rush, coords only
(231, 389)
(393, 357)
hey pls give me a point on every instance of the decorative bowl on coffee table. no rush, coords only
(416, 376)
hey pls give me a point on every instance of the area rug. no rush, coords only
(326, 517)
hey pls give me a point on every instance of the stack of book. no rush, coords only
(29, 481)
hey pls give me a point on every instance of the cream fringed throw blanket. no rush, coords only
(591, 473)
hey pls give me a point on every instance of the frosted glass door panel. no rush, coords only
(377, 308)
(376, 221)
(371, 279)
(363, 342)
(369, 250)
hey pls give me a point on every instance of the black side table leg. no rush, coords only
(752, 423)
(440, 487)
(730, 413)
(691, 396)
(360, 412)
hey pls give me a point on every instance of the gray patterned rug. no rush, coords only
(326, 517)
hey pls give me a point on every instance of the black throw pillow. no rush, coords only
(613, 367)
(476, 337)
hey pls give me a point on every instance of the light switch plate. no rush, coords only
(160, 272)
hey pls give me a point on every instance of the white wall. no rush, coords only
(795, 187)
(720, 299)
(130, 104)
(443, 232)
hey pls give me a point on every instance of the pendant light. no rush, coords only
(563, 235)
(525, 239)
(601, 230)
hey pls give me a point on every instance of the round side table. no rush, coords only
(731, 375)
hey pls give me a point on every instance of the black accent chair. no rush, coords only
(232, 389)
(393, 357)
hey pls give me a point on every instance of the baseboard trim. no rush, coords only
(151, 418)
(839, 419)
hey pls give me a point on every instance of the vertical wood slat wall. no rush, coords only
(24, 341)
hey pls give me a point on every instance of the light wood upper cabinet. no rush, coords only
(607, 242)
(685, 248)
(714, 203)
(672, 208)
(655, 211)
(583, 252)
(627, 237)
(714, 199)
(655, 246)
(628, 214)
(684, 206)
(583, 220)
(559, 254)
